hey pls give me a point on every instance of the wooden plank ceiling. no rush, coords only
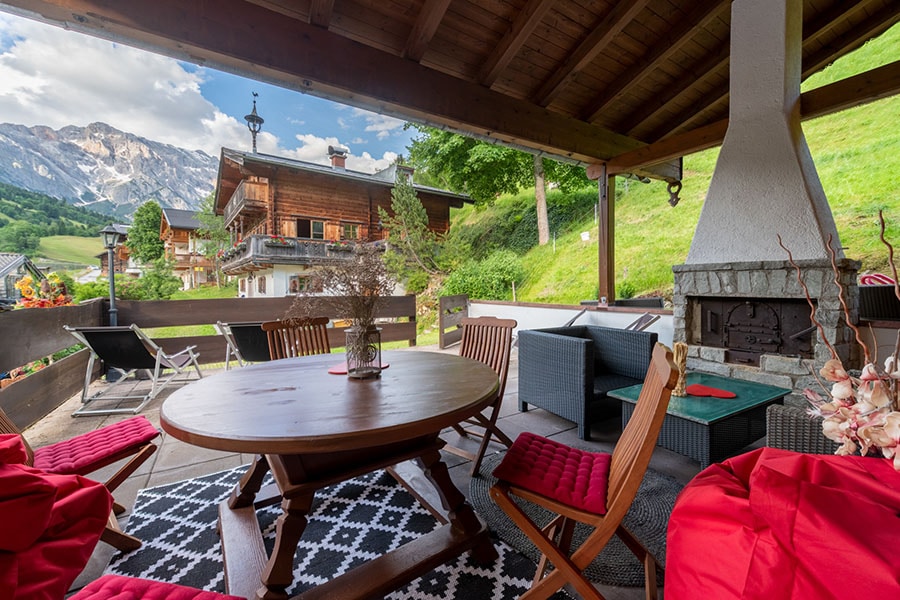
(627, 82)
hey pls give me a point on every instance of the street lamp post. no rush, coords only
(110, 237)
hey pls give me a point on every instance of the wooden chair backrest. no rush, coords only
(7, 426)
(489, 340)
(632, 453)
(297, 337)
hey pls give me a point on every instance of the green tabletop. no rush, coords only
(705, 409)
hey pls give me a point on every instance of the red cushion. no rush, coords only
(50, 525)
(96, 449)
(116, 587)
(571, 476)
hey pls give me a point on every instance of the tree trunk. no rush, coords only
(540, 199)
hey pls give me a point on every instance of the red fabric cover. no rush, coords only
(90, 451)
(116, 587)
(698, 389)
(571, 476)
(50, 525)
(773, 524)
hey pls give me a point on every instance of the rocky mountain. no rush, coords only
(104, 169)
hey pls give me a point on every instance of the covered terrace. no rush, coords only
(619, 87)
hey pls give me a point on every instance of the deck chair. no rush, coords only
(84, 454)
(488, 340)
(297, 337)
(245, 342)
(130, 349)
(543, 471)
(642, 322)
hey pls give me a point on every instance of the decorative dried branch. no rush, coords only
(812, 305)
(850, 324)
(890, 255)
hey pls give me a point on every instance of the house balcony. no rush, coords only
(257, 251)
(250, 198)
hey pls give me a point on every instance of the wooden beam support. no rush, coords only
(320, 13)
(526, 22)
(607, 236)
(699, 17)
(881, 82)
(430, 17)
(876, 84)
(602, 35)
(309, 59)
(873, 25)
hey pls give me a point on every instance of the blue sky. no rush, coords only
(53, 77)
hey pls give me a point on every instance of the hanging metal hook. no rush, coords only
(674, 188)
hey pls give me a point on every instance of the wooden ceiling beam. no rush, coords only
(709, 65)
(523, 26)
(878, 83)
(429, 19)
(599, 38)
(875, 24)
(320, 13)
(881, 82)
(699, 17)
(299, 56)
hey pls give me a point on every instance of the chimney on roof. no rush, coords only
(338, 156)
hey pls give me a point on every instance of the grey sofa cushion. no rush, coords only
(605, 383)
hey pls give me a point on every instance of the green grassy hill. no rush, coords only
(69, 249)
(857, 154)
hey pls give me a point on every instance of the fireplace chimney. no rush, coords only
(338, 156)
(765, 183)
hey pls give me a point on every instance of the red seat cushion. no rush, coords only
(95, 449)
(116, 587)
(574, 477)
(49, 525)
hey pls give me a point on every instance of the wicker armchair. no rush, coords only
(790, 428)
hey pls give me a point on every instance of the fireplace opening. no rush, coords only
(747, 328)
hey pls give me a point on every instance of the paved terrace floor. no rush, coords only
(176, 460)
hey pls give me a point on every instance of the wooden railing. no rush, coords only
(32, 334)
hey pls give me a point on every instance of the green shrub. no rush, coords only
(416, 282)
(625, 290)
(489, 279)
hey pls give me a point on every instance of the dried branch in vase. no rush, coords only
(860, 413)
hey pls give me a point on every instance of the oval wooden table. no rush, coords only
(313, 429)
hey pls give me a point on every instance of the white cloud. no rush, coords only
(315, 150)
(383, 125)
(55, 78)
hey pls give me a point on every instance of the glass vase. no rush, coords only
(363, 351)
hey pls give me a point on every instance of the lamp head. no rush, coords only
(110, 236)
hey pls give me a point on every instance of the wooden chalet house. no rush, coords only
(178, 230)
(288, 216)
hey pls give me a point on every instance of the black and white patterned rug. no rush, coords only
(350, 523)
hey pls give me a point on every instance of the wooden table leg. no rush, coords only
(279, 571)
(462, 516)
(245, 491)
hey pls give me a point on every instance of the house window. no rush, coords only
(261, 285)
(310, 229)
(298, 284)
(351, 232)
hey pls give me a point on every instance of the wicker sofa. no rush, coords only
(569, 370)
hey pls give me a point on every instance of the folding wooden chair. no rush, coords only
(245, 342)
(588, 487)
(488, 340)
(297, 337)
(130, 349)
(90, 452)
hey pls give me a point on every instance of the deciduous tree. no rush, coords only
(143, 237)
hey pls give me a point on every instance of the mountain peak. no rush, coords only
(103, 168)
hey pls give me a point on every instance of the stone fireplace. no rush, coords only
(736, 295)
(751, 320)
